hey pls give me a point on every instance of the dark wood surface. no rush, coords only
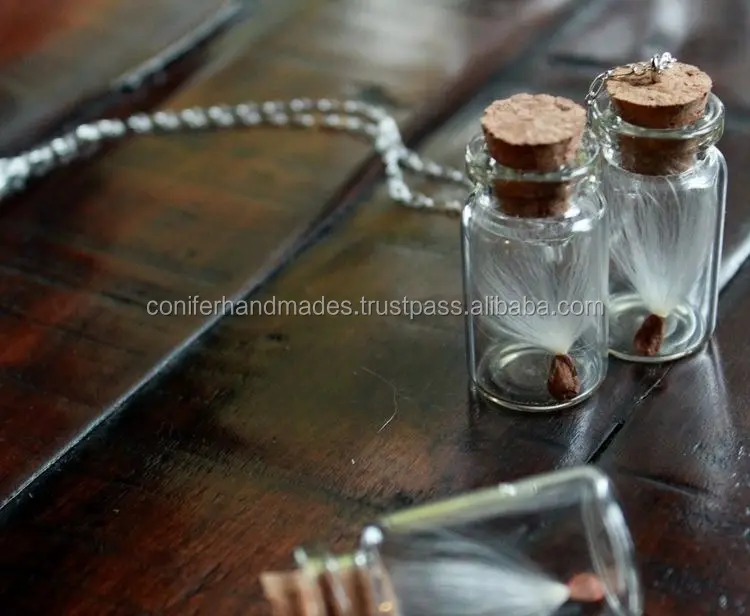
(222, 452)
(59, 57)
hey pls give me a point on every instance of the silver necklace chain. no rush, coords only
(353, 117)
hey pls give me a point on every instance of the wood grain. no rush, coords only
(693, 436)
(202, 215)
(56, 57)
(275, 430)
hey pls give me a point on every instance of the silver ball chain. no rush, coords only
(353, 117)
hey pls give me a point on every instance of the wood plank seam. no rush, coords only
(363, 179)
(611, 437)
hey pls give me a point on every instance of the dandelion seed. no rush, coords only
(545, 275)
(662, 233)
(456, 575)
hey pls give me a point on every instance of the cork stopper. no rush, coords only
(345, 592)
(672, 99)
(292, 594)
(537, 133)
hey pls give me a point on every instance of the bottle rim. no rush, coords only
(581, 176)
(482, 168)
(627, 601)
(606, 121)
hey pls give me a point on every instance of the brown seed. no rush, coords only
(586, 588)
(650, 335)
(563, 382)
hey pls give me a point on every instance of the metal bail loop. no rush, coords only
(596, 87)
(662, 61)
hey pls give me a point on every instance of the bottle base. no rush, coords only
(515, 377)
(684, 334)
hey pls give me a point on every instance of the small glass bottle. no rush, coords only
(665, 185)
(551, 545)
(535, 278)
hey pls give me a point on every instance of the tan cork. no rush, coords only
(538, 133)
(296, 593)
(672, 99)
(292, 594)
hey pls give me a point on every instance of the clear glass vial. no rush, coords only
(666, 231)
(550, 545)
(535, 288)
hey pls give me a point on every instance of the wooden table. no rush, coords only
(157, 464)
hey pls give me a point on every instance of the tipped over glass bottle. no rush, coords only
(534, 242)
(664, 181)
(551, 545)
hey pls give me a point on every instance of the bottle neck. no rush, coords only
(531, 198)
(342, 586)
(530, 194)
(656, 152)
